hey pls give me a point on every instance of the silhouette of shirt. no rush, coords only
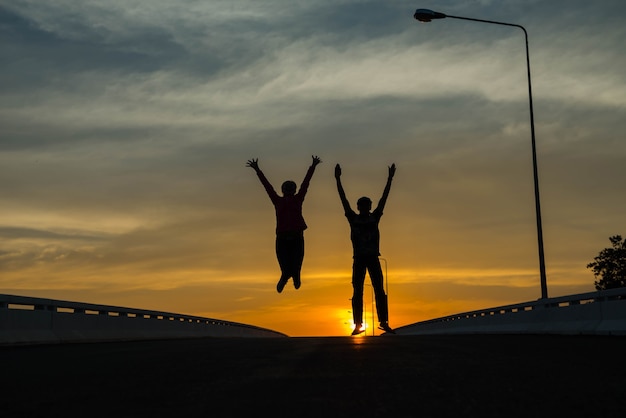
(288, 208)
(364, 232)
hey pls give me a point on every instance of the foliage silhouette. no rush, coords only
(610, 265)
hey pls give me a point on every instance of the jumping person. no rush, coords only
(290, 223)
(365, 238)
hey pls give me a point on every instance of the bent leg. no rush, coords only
(282, 254)
(296, 259)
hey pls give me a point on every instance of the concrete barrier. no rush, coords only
(595, 313)
(26, 320)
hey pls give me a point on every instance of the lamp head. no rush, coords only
(426, 15)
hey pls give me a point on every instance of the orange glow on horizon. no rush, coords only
(321, 307)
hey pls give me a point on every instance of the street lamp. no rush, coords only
(426, 15)
(371, 310)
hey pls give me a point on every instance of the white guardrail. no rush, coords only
(28, 320)
(595, 313)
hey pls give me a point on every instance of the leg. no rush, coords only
(358, 279)
(297, 259)
(376, 275)
(282, 254)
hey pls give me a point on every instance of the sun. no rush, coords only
(346, 322)
(349, 326)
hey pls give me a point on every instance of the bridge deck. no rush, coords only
(389, 376)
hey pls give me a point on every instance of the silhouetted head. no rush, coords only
(364, 204)
(289, 188)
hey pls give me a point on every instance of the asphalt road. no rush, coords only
(385, 376)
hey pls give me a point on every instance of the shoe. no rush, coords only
(296, 282)
(281, 285)
(358, 329)
(385, 327)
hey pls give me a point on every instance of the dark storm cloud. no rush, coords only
(63, 41)
(31, 55)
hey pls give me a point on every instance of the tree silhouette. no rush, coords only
(610, 265)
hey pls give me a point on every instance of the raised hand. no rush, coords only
(254, 163)
(337, 171)
(316, 160)
(392, 170)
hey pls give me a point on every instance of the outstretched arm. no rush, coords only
(342, 193)
(309, 174)
(254, 163)
(383, 199)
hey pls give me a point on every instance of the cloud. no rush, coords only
(126, 128)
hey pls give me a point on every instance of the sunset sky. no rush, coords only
(125, 127)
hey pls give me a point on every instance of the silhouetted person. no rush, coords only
(365, 239)
(290, 224)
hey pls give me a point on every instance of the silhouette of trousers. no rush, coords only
(290, 253)
(370, 264)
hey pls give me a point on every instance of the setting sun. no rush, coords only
(128, 131)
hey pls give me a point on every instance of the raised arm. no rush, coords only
(254, 164)
(309, 174)
(383, 199)
(342, 193)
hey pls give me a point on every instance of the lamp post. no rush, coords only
(426, 15)
(371, 310)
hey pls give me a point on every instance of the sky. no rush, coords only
(126, 127)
